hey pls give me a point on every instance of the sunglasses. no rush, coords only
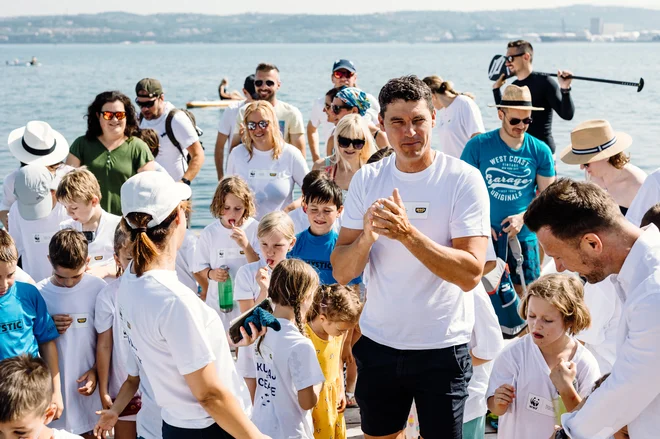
(341, 74)
(515, 121)
(510, 58)
(108, 115)
(337, 108)
(263, 124)
(345, 142)
(145, 104)
(260, 82)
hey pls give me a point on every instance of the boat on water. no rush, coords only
(210, 104)
(18, 63)
(565, 37)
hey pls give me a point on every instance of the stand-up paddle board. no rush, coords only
(207, 104)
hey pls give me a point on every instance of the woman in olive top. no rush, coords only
(108, 148)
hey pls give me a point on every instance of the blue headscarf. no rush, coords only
(354, 97)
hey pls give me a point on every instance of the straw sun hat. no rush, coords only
(592, 141)
(518, 98)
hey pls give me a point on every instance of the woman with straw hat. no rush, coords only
(599, 150)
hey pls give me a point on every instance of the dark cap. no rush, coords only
(149, 88)
(344, 64)
(248, 85)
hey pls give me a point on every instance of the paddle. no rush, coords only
(498, 68)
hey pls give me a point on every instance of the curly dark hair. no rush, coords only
(93, 124)
(406, 88)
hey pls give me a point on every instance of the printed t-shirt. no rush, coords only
(285, 364)
(447, 200)
(101, 251)
(76, 349)
(111, 168)
(316, 251)
(271, 180)
(521, 364)
(24, 321)
(172, 334)
(289, 118)
(32, 239)
(455, 125)
(169, 156)
(510, 174)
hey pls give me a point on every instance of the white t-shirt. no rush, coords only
(409, 307)
(271, 180)
(32, 239)
(184, 260)
(172, 334)
(647, 196)
(319, 120)
(228, 119)
(605, 308)
(148, 420)
(61, 434)
(455, 125)
(521, 364)
(8, 182)
(76, 349)
(215, 248)
(285, 364)
(185, 133)
(289, 118)
(486, 343)
(102, 250)
(22, 276)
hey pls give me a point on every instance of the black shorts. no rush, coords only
(211, 432)
(389, 379)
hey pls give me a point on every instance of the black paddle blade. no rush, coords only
(641, 85)
(498, 68)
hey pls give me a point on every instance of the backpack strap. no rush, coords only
(170, 132)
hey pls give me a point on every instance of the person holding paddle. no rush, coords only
(545, 93)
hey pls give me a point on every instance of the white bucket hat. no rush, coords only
(154, 193)
(38, 144)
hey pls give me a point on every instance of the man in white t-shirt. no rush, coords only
(344, 74)
(267, 83)
(647, 196)
(184, 161)
(421, 220)
(228, 123)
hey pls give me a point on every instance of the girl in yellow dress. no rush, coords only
(335, 311)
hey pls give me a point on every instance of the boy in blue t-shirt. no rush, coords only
(25, 325)
(323, 204)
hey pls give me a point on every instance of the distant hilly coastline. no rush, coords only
(404, 27)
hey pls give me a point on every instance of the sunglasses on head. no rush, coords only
(337, 108)
(108, 115)
(263, 124)
(510, 58)
(515, 121)
(339, 74)
(345, 142)
(260, 82)
(146, 104)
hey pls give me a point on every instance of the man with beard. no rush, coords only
(267, 83)
(515, 166)
(581, 227)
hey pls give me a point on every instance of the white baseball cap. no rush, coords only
(154, 193)
(32, 189)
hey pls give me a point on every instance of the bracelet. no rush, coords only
(208, 274)
(376, 134)
(565, 90)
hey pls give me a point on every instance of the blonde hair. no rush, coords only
(276, 221)
(566, 294)
(268, 113)
(441, 87)
(353, 126)
(238, 188)
(339, 303)
(79, 185)
(8, 252)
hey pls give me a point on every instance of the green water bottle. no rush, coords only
(226, 293)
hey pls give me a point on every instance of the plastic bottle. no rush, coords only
(226, 293)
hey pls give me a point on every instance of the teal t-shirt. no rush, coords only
(510, 174)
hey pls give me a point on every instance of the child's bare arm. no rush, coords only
(309, 396)
(104, 344)
(48, 352)
(110, 416)
(500, 401)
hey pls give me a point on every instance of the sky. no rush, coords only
(11, 8)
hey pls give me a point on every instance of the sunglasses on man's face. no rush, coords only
(345, 142)
(337, 108)
(145, 104)
(515, 121)
(109, 115)
(510, 58)
(260, 82)
(263, 124)
(341, 74)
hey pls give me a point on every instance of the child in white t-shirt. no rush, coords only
(289, 376)
(185, 258)
(71, 292)
(547, 372)
(230, 241)
(26, 392)
(80, 194)
(34, 218)
(111, 345)
(276, 238)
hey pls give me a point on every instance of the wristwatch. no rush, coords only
(566, 90)
(185, 180)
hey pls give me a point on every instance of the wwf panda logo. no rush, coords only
(534, 403)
